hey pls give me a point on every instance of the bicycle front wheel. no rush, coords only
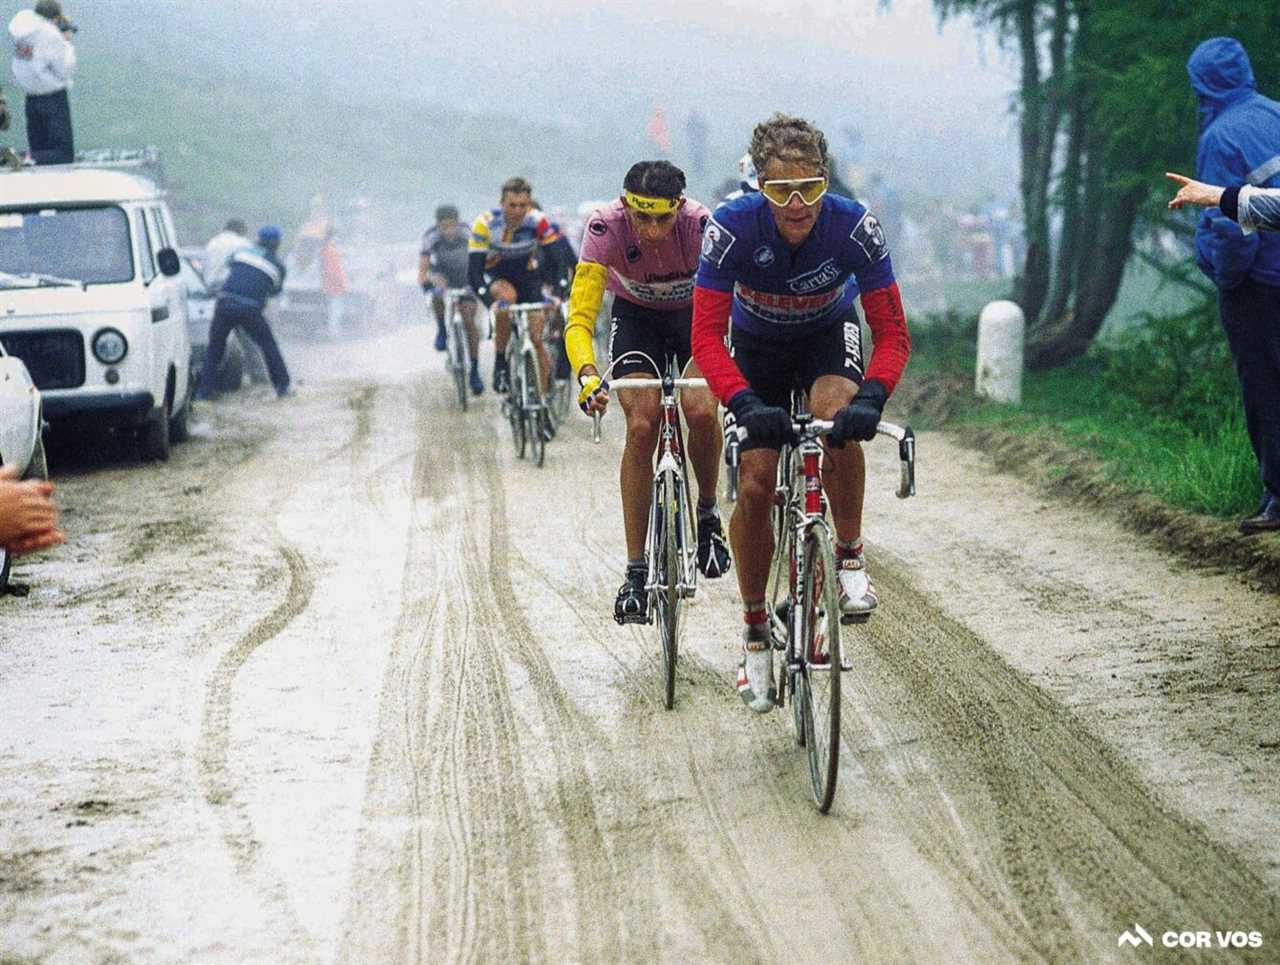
(536, 411)
(515, 411)
(819, 658)
(458, 362)
(668, 580)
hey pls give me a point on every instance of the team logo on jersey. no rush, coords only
(763, 256)
(597, 227)
(716, 242)
(632, 254)
(820, 277)
(869, 236)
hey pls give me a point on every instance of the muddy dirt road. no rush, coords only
(340, 683)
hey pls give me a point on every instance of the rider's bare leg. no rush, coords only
(643, 409)
(750, 532)
(701, 412)
(844, 471)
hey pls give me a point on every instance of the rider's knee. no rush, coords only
(642, 425)
(755, 489)
(702, 416)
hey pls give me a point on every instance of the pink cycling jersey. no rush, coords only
(653, 276)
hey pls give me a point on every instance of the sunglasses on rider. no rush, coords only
(780, 192)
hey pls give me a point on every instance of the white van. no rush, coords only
(91, 301)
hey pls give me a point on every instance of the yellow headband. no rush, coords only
(651, 205)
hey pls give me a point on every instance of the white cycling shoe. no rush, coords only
(857, 593)
(755, 674)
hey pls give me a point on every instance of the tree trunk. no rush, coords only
(1077, 107)
(1060, 340)
(1041, 114)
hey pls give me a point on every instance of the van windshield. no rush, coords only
(89, 245)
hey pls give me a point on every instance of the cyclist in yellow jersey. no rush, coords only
(644, 248)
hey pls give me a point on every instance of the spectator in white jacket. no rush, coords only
(43, 61)
(220, 248)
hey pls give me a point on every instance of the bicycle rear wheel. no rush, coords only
(668, 579)
(819, 676)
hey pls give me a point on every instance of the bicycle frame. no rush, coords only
(530, 397)
(802, 509)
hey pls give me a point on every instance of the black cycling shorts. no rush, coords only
(528, 285)
(775, 367)
(656, 332)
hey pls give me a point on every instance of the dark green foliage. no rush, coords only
(1178, 367)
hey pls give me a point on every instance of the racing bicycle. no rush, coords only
(457, 346)
(524, 405)
(670, 544)
(803, 593)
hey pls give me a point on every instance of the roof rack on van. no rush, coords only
(145, 159)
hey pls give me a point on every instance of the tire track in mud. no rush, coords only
(447, 748)
(213, 749)
(215, 736)
(1072, 832)
(647, 766)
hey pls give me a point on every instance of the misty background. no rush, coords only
(256, 107)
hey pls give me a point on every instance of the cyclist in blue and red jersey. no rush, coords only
(786, 265)
(511, 255)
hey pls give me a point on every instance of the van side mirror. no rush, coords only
(167, 262)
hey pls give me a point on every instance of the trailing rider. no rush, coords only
(644, 248)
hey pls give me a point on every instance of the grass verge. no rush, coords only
(1094, 432)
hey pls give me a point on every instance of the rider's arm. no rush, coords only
(477, 253)
(867, 254)
(718, 270)
(424, 270)
(476, 279)
(584, 305)
(891, 341)
(710, 326)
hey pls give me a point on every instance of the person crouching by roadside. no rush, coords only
(254, 275)
(44, 58)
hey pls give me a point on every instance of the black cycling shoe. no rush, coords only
(713, 553)
(632, 604)
(500, 379)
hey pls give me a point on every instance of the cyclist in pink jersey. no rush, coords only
(645, 248)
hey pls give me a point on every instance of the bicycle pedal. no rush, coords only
(853, 619)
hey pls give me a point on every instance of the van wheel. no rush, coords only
(179, 425)
(38, 468)
(153, 441)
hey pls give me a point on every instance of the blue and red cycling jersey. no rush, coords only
(774, 291)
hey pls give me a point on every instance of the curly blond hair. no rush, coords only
(786, 138)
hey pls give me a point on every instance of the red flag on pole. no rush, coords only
(657, 129)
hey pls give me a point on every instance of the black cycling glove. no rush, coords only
(767, 426)
(858, 419)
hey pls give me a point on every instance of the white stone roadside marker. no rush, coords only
(1001, 333)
